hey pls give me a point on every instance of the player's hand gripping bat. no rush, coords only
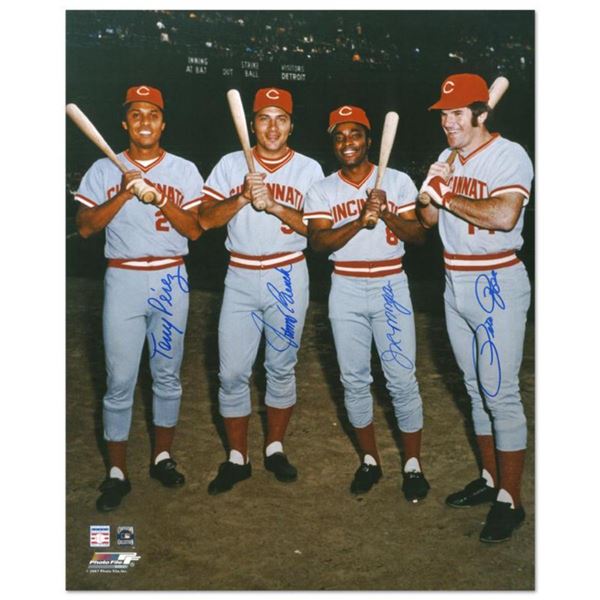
(390, 125)
(497, 90)
(146, 193)
(239, 121)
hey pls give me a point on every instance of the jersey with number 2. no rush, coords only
(138, 229)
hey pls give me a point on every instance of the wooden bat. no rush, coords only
(390, 125)
(496, 92)
(239, 121)
(89, 130)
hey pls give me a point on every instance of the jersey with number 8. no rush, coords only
(341, 200)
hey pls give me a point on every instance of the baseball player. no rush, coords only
(146, 290)
(266, 287)
(478, 203)
(369, 296)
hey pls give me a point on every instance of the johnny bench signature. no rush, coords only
(280, 337)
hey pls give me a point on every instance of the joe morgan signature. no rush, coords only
(281, 338)
(163, 303)
(392, 307)
(487, 294)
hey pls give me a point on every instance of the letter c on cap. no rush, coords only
(448, 87)
(272, 94)
(345, 111)
(143, 91)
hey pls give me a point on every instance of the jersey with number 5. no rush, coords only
(139, 229)
(497, 167)
(341, 201)
(288, 178)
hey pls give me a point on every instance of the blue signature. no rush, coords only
(164, 304)
(282, 337)
(488, 296)
(392, 307)
(487, 330)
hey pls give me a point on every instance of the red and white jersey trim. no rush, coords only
(406, 207)
(516, 188)
(362, 268)
(148, 263)
(269, 261)
(140, 166)
(480, 262)
(316, 215)
(465, 159)
(352, 183)
(212, 193)
(271, 165)
(85, 201)
(191, 203)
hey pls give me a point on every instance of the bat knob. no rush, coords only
(372, 222)
(424, 198)
(149, 198)
(259, 204)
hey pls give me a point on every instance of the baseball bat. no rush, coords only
(239, 121)
(89, 130)
(390, 125)
(496, 92)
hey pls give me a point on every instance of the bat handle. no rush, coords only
(424, 198)
(372, 222)
(257, 204)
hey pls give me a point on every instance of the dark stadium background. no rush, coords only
(380, 60)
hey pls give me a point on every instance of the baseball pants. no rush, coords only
(486, 313)
(143, 305)
(272, 302)
(363, 309)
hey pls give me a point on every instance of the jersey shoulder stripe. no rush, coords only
(519, 189)
(212, 193)
(85, 201)
(192, 203)
(317, 215)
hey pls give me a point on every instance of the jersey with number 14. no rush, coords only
(341, 201)
(497, 167)
(139, 230)
(257, 233)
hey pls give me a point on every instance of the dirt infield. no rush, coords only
(309, 535)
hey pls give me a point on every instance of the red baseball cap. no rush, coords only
(461, 90)
(348, 114)
(273, 97)
(144, 93)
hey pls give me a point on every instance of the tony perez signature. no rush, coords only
(163, 303)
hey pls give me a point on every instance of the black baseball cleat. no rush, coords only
(113, 490)
(165, 472)
(474, 493)
(227, 476)
(415, 486)
(501, 521)
(365, 478)
(280, 466)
